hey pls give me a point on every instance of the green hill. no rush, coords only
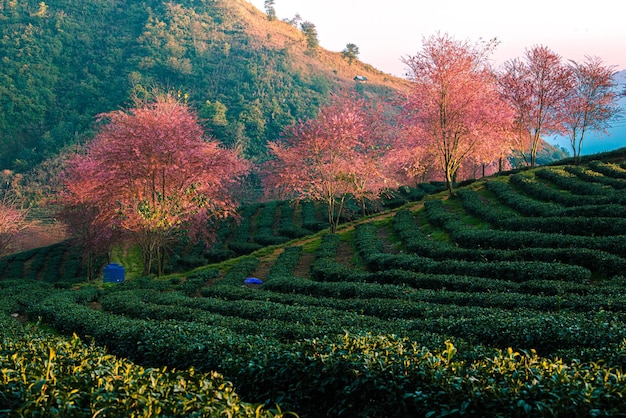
(64, 61)
(507, 298)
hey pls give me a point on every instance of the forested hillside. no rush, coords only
(64, 61)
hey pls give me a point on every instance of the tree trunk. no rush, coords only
(449, 181)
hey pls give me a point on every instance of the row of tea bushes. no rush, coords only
(519, 202)
(62, 377)
(497, 318)
(55, 263)
(608, 169)
(609, 298)
(579, 187)
(415, 241)
(591, 176)
(54, 376)
(528, 206)
(541, 191)
(504, 219)
(517, 271)
(438, 215)
(373, 375)
(380, 376)
(275, 223)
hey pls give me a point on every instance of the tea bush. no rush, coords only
(581, 188)
(608, 169)
(596, 177)
(540, 191)
(414, 241)
(521, 203)
(58, 377)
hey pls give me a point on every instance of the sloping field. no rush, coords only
(508, 299)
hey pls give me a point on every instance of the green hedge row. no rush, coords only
(507, 296)
(240, 241)
(52, 376)
(592, 176)
(414, 241)
(585, 226)
(286, 225)
(540, 191)
(396, 198)
(277, 322)
(265, 225)
(272, 320)
(513, 240)
(504, 219)
(309, 217)
(381, 376)
(387, 376)
(54, 264)
(528, 206)
(519, 202)
(517, 271)
(286, 262)
(194, 282)
(572, 183)
(608, 169)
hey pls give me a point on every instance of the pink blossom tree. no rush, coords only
(150, 174)
(12, 220)
(591, 103)
(454, 104)
(329, 158)
(536, 87)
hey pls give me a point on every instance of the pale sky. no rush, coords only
(387, 30)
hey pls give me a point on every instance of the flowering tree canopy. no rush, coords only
(12, 221)
(329, 158)
(591, 103)
(150, 173)
(453, 106)
(536, 88)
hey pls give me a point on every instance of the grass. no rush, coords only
(130, 258)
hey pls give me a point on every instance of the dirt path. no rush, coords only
(304, 264)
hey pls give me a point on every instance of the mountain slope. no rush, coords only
(64, 61)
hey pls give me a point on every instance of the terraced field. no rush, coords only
(508, 299)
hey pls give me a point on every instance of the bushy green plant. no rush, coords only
(58, 377)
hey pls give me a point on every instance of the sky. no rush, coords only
(387, 30)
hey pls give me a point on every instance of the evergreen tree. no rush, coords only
(269, 10)
(310, 32)
(350, 52)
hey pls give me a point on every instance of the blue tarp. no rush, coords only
(253, 280)
(113, 273)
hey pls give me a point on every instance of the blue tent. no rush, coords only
(253, 280)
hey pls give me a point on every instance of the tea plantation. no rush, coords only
(508, 299)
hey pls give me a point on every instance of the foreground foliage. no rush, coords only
(44, 375)
(364, 374)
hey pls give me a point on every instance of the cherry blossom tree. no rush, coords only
(12, 220)
(591, 103)
(536, 88)
(84, 216)
(407, 160)
(329, 158)
(453, 104)
(150, 174)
